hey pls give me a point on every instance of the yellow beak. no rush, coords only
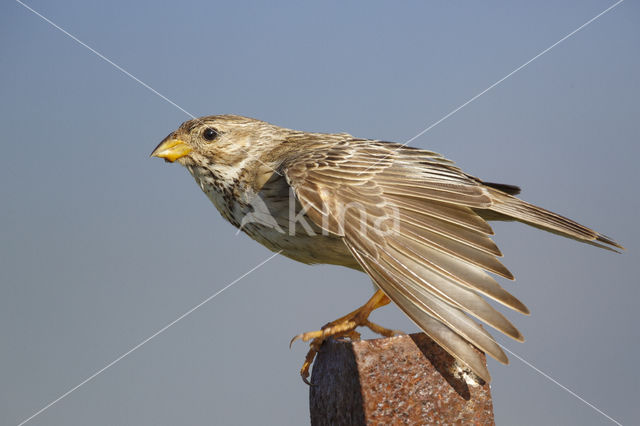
(171, 149)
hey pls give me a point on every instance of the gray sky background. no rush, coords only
(102, 246)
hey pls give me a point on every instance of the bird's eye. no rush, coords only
(210, 133)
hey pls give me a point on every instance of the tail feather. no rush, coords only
(515, 208)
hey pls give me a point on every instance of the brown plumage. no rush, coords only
(407, 217)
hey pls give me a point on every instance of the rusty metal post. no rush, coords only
(406, 379)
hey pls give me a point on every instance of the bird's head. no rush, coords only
(220, 140)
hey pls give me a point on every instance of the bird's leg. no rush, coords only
(343, 327)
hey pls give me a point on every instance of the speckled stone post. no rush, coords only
(406, 379)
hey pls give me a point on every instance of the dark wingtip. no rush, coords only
(521, 307)
(610, 241)
(504, 187)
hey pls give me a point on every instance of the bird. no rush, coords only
(407, 217)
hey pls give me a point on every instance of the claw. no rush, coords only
(305, 337)
(297, 337)
(314, 348)
(344, 327)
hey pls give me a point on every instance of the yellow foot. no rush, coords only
(344, 327)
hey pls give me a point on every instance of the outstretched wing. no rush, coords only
(408, 218)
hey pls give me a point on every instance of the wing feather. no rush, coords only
(409, 261)
(415, 233)
(458, 215)
(445, 336)
(413, 221)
